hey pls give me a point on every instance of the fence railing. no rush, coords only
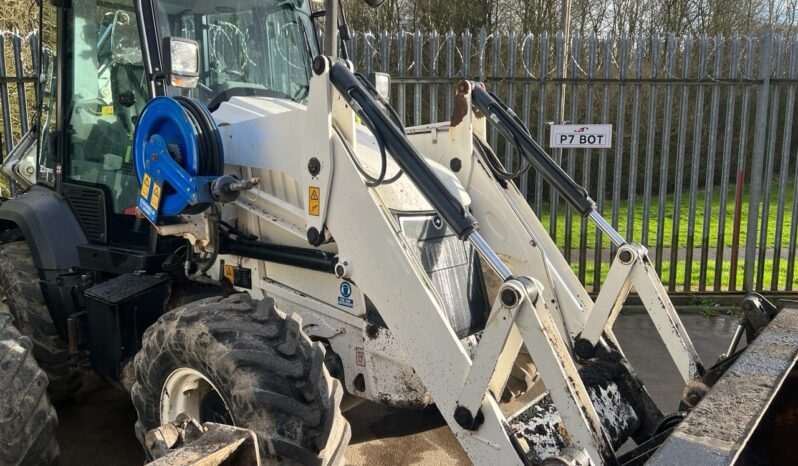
(703, 168)
(18, 62)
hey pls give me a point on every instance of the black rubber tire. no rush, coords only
(19, 279)
(27, 419)
(270, 376)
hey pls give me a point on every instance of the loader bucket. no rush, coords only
(185, 442)
(750, 416)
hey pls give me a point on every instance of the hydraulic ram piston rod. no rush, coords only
(412, 163)
(512, 128)
(487, 253)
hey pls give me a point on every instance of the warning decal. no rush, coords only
(238, 276)
(150, 197)
(145, 186)
(155, 200)
(313, 200)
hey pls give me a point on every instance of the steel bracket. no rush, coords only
(632, 268)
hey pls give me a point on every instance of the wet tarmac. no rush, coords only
(97, 428)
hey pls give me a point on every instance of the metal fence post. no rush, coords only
(352, 50)
(559, 90)
(758, 160)
(449, 72)
(784, 170)
(4, 99)
(368, 52)
(695, 165)
(741, 165)
(526, 58)
(434, 49)
(16, 43)
(618, 142)
(385, 52)
(767, 181)
(418, 53)
(400, 50)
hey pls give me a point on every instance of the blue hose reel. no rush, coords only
(178, 156)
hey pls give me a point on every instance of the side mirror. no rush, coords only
(382, 83)
(181, 61)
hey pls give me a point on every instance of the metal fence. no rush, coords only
(18, 62)
(703, 169)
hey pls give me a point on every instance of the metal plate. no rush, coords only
(720, 426)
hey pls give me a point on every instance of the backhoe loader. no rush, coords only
(232, 224)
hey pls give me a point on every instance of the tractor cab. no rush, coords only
(105, 78)
(254, 47)
(80, 214)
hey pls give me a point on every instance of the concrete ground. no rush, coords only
(97, 428)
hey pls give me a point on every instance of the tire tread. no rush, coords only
(27, 418)
(265, 367)
(19, 279)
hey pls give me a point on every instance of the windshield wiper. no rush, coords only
(226, 95)
(304, 89)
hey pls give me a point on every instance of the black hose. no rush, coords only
(370, 180)
(510, 126)
(386, 105)
(413, 164)
(211, 149)
(210, 152)
(388, 110)
(495, 165)
(670, 421)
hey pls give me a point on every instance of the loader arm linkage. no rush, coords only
(724, 428)
(562, 361)
(517, 304)
(510, 126)
(593, 402)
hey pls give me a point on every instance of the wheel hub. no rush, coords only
(188, 391)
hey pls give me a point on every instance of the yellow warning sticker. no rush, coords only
(314, 195)
(229, 273)
(145, 186)
(156, 196)
(107, 110)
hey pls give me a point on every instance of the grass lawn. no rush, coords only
(696, 267)
(681, 242)
(714, 217)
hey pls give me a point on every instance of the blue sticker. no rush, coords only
(346, 292)
(145, 208)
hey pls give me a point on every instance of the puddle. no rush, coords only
(644, 349)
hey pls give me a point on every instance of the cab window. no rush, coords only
(108, 91)
(254, 47)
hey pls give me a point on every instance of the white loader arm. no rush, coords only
(517, 235)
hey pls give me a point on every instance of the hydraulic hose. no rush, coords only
(404, 154)
(386, 105)
(510, 126)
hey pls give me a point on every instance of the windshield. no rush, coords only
(251, 47)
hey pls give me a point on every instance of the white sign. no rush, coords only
(581, 136)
